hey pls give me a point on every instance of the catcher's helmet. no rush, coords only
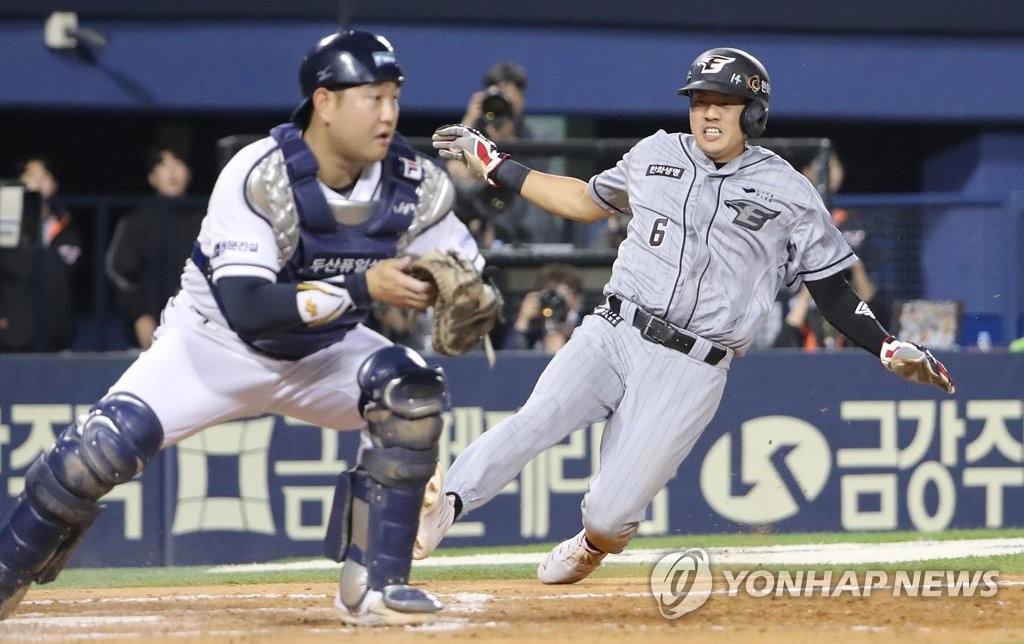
(345, 59)
(733, 71)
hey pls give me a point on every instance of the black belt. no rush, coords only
(654, 329)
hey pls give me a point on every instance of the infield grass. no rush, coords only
(201, 575)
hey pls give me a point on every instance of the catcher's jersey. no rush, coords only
(240, 242)
(708, 248)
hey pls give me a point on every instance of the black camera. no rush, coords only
(495, 106)
(553, 307)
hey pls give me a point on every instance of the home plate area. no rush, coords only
(596, 609)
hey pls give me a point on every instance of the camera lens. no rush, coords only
(553, 306)
(495, 105)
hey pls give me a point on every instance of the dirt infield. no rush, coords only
(480, 611)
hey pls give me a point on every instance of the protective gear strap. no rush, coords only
(844, 310)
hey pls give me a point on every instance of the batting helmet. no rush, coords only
(733, 71)
(345, 59)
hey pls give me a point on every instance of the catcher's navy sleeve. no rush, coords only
(844, 310)
(253, 305)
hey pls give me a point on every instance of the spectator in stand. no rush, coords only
(804, 325)
(548, 315)
(150, 244)
(497, 216)
(37, 303)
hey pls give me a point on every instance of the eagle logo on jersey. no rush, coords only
(750, 214)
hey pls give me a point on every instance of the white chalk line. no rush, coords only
(797, 554)
(465, 603)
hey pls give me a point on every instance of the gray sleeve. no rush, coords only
(610, 189)
(817, 248)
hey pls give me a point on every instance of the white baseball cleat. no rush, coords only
(397, 605)
(570, 561)
(437, 514)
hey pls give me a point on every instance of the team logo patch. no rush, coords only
(750, 214)
(659, 170)
(714, 63)
(411, 169)
(608, 314)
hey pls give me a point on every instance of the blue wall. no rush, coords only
(833, 444)
(226, 66)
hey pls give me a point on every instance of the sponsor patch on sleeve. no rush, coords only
(235, 245)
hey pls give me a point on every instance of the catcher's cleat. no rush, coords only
(9, 603)
(437, 514)
(397, 605)
(12, 589)
(570, 561)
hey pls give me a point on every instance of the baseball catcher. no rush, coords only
(466, 308)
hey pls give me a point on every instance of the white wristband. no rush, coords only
(320, 302)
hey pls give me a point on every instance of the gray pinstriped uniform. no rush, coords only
(707, 249)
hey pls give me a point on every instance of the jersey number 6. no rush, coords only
(658, 231)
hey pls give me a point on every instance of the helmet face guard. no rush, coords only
(734, 72)
(341, 60)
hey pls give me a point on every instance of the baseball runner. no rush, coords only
(717, 227)
(305, 229)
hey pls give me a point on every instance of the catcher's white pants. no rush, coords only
(657, 402)
(199, 374)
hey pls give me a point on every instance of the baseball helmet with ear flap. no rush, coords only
(733, 71)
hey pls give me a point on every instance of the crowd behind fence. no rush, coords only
(894, 226)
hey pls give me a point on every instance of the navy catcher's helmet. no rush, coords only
(733, 71)
(343, 60)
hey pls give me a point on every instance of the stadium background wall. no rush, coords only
(846, 447)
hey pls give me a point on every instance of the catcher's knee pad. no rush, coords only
(109, 446)
(401, 400)
(112, 444)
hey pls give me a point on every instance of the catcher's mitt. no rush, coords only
(466, 309)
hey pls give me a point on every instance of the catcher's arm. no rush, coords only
(254, 305)
(564, 196)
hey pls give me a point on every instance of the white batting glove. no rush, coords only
(471, 147)
(320, 302)
(915, 363)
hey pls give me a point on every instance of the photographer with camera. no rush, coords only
(498, 216)
(548, 315)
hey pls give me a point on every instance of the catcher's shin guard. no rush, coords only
(376, 511)
(109, 446)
